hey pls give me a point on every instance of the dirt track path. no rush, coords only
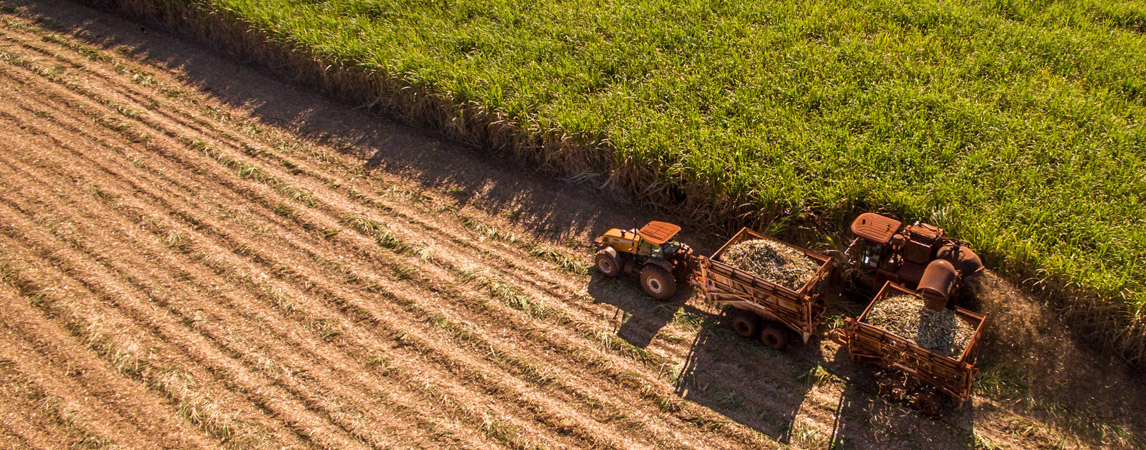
(183, 272)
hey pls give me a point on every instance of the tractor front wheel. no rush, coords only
(607, 264)
(658, 283)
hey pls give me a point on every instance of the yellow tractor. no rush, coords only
(652, 253)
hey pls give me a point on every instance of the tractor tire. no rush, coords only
(607, 264)
(658, 283)
(744, 323)
(774, 335)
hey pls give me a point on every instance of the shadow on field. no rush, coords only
(639, 317)
(752, 384)
(1033, 363)
(736, 377)
(538, 202)
(867, 418)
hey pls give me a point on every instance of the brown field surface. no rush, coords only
(196, 253)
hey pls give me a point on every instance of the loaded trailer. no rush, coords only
(950, 375)
(760, 306)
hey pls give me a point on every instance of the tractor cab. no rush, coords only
(654, 240)
(873, 252)
(657, 240)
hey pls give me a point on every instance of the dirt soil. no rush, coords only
(197, 253)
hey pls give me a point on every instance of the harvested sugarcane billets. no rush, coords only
(772, 261)
(904, 315)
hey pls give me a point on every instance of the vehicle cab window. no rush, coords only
(871, 255)
(644, 248)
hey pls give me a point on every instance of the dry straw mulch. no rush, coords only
(904, 315)
(772, 261)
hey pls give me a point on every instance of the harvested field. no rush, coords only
(939, 331)
(772, 261)
(194, 254)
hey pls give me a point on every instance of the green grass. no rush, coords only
(1015, 125)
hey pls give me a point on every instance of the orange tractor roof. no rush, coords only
(875, 228)
(658, 232)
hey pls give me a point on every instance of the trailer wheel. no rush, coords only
(744, 323)
(658, 283)
(607, 264)
(774, 335)
(927, 402)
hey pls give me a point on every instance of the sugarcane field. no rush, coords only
(357, 224)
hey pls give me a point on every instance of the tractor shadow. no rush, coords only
(639, 317)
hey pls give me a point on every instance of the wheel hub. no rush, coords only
(654, 285)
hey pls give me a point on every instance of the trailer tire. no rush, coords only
(658, 283)
(774, 335)
(744, 323)
(607, 264)
(928, 402)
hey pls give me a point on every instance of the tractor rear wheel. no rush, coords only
(658, 283)
(744, 323)
(607, 264)
(774, 335)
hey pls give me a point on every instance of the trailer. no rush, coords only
(870, 344)
(759, 306)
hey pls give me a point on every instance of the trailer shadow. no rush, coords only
(748, 382)
(866, 418)
(736, 377)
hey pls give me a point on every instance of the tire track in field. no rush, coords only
(32, 416)
(19, 430)
(81, 422)
(122, 410)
